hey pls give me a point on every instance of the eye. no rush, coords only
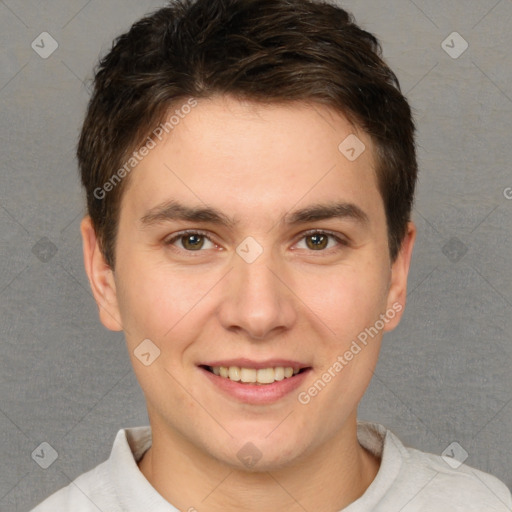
(319, 240)
(191, 241)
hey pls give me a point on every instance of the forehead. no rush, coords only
(253, 159)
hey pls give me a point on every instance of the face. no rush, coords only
(247, 240)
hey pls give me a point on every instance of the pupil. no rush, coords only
(318, 241)
(193, 241)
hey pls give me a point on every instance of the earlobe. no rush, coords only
(397, 293)
(101, 278)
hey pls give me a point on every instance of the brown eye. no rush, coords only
(317, 241)
(322, 241)
(192, 242)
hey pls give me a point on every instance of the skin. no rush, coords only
(254, 163)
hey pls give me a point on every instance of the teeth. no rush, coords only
(265, 375)
(248, 374)
(279, 373)
(234, 373)
(251, 375)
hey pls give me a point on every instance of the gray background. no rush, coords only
(445, 373)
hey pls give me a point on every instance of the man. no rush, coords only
(250, 171)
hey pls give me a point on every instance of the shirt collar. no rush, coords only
(135, 493)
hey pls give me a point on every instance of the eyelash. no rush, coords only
(331, 234)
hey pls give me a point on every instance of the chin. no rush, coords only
(257, 454)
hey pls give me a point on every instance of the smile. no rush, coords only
(253, 375)
(256, 383)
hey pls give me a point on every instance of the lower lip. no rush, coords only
(257, 394)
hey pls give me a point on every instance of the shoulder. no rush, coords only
(415, 481)
(106, 486)
(445, 482)
(89, 492)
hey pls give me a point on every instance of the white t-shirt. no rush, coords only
(408, 481)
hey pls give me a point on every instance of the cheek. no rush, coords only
(156, 301)
(347, 298)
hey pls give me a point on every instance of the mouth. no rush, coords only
(255, 382)
(256, 376)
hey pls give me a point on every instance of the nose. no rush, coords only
(256, 299)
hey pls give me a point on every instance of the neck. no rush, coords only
(329, 478)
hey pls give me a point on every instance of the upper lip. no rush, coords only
(248, 363)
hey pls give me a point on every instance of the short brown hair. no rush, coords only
(259, 50)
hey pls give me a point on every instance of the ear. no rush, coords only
(101, 278)
(397, 292)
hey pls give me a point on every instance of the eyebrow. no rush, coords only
(316, 212)
(174, 210)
